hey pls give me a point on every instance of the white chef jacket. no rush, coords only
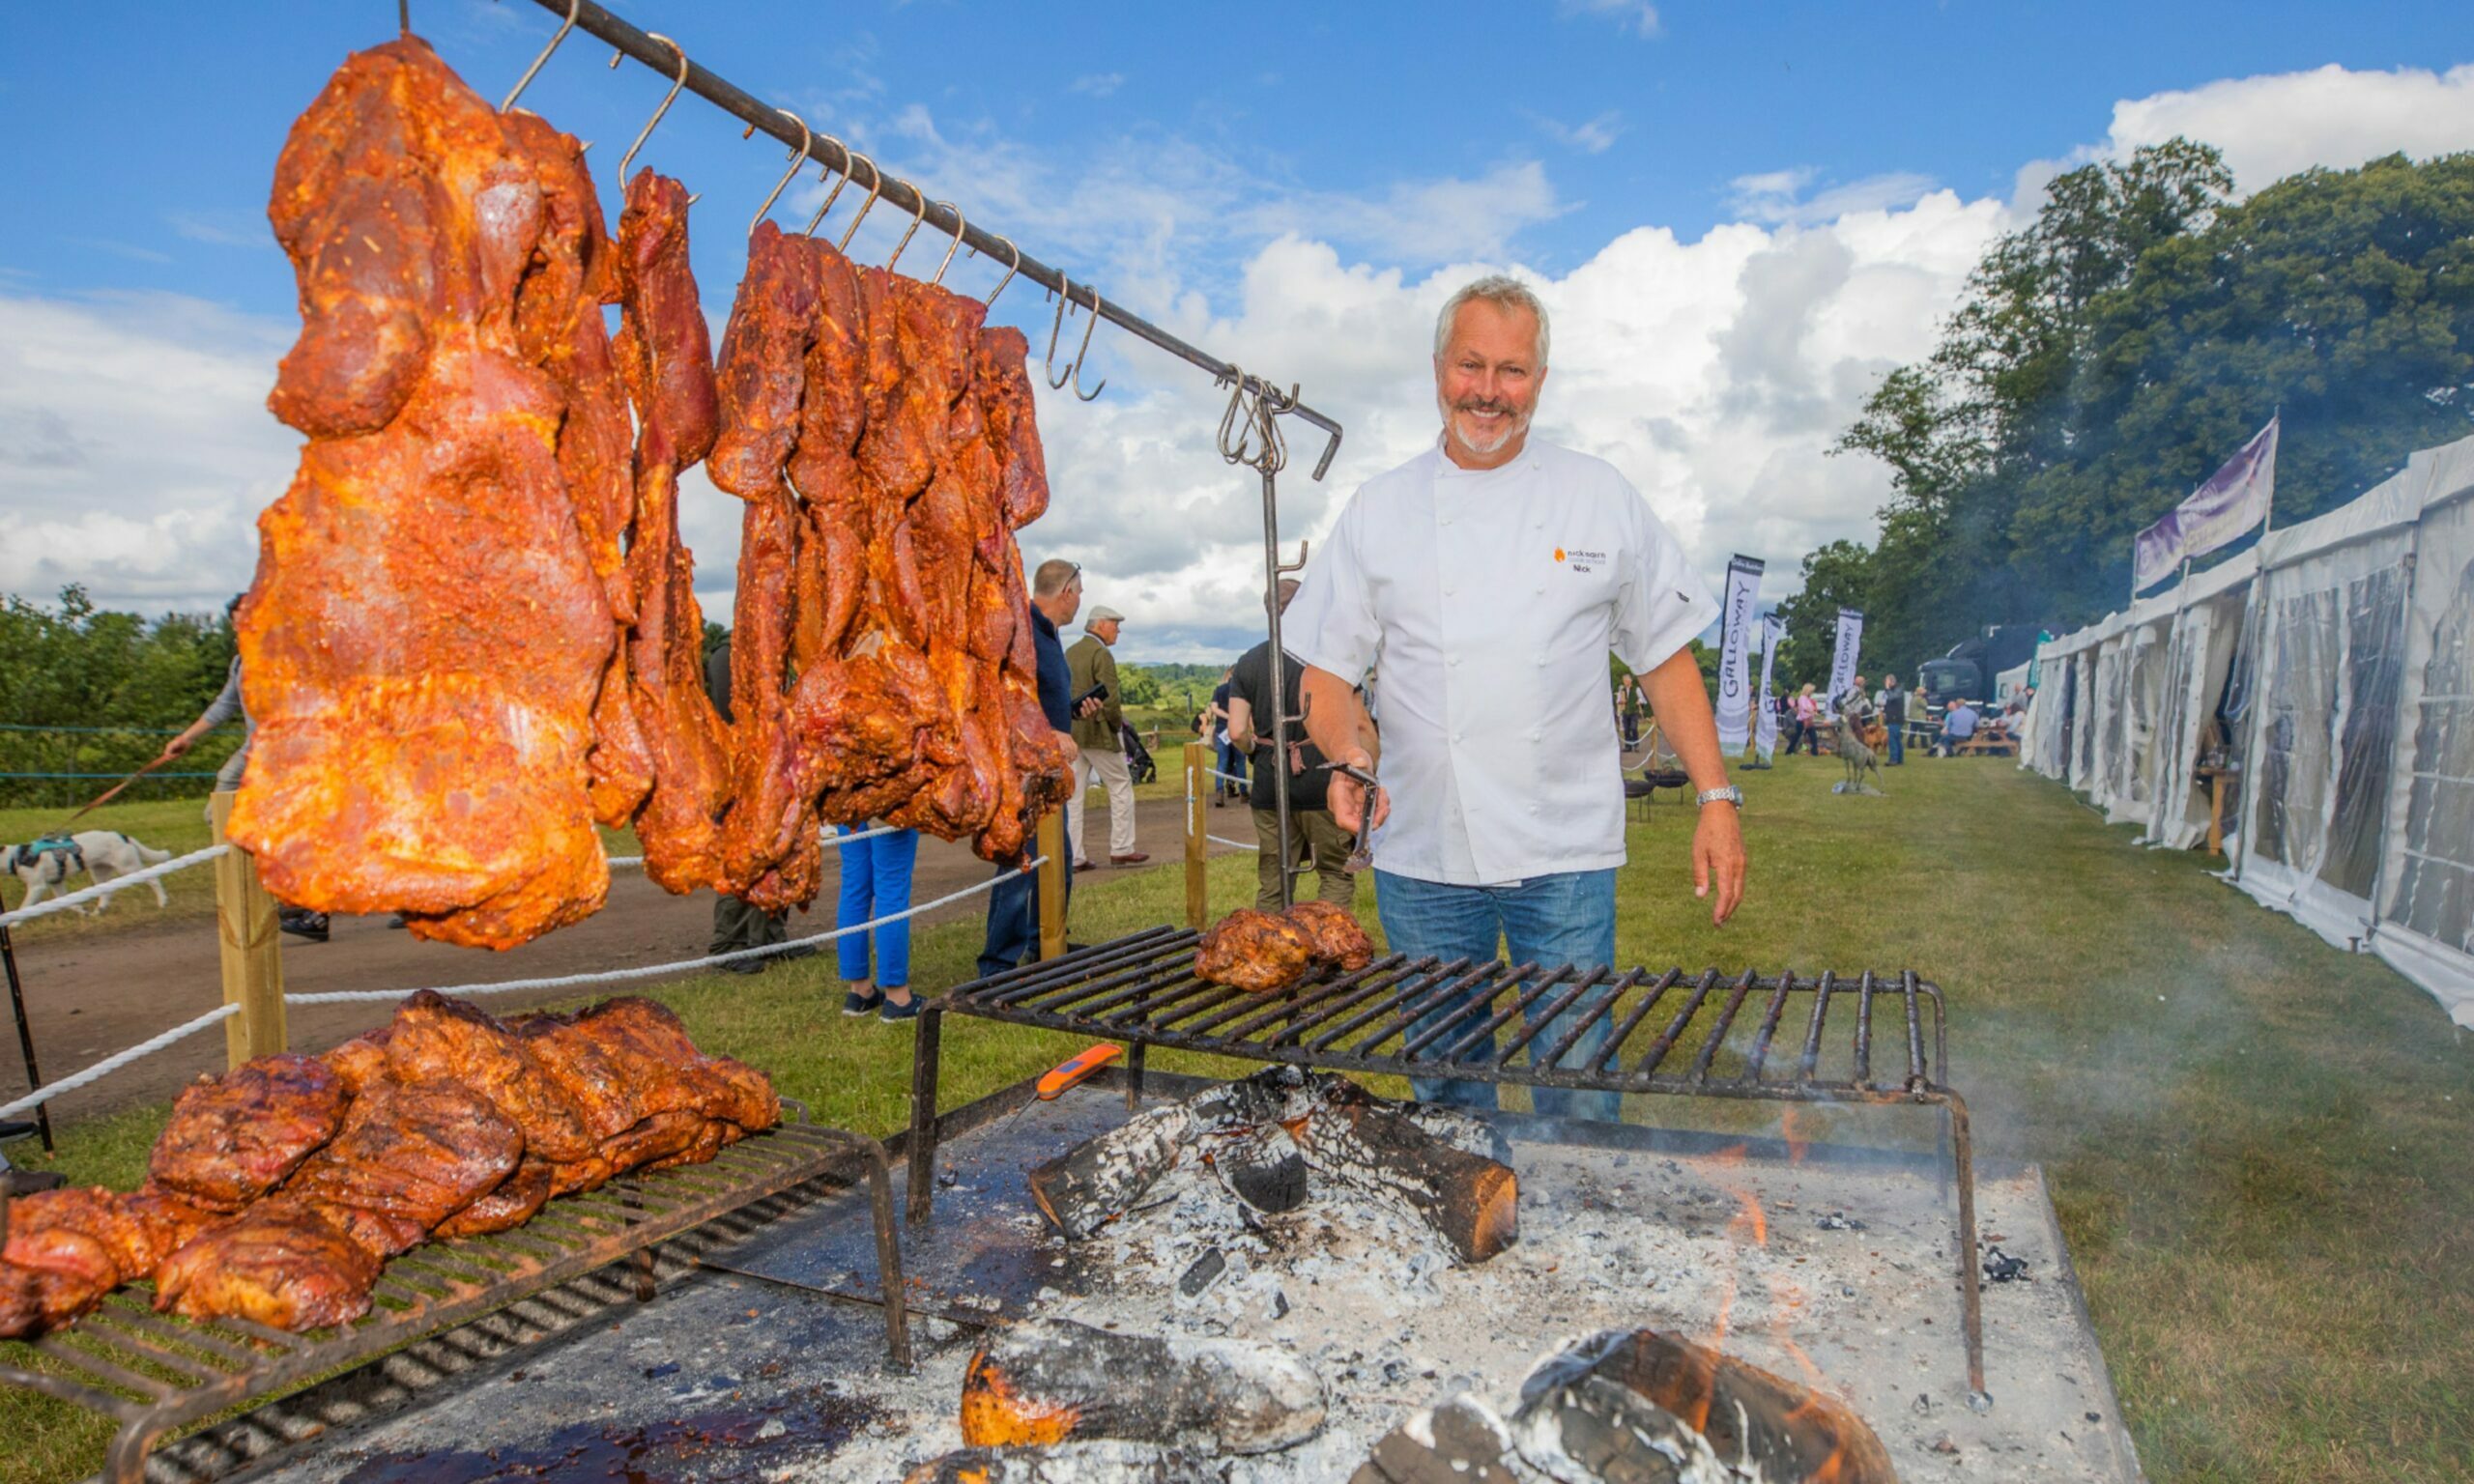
(1491, 599)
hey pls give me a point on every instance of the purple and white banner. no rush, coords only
(1738, 613)
(1765, 723)
(1842, 655)
(2234, 500)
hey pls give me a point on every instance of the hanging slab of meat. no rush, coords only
(763, 371)
(667, 361)
(559, 321)
(1257, 951)
(1001, 367)
(427, 637)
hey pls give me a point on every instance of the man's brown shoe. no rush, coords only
(1130, 858)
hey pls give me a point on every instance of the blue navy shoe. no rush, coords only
(904, 1011)
(854, 1003)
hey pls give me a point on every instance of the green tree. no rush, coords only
(2109, 355)
(91, 691)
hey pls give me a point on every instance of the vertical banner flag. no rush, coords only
(2234, 500)
(1737, 617)
(1765, 725)
(1842, 658)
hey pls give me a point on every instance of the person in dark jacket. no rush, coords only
(1013, 904)
(735, 923)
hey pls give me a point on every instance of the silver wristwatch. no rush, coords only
(1730, 794)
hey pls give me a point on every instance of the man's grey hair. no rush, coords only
(1052, 577)
(1501, 290)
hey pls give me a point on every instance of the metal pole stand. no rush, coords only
(25, 1038)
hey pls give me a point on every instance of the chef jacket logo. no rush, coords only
(1577, 559)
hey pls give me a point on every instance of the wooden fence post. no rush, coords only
(1197, 892)
(1053, 884)
(245, 923)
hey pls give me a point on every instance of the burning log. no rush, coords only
(1270, 1131)
(1457, 1443)
(1072, 1463)
(1784, 1429)
(1046, 1381)
(1471, 1201)
(1262, 1166)
(1639, 1408)
(1099, 1180)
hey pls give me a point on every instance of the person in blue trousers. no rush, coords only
(875, 882)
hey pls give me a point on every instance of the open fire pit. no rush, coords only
(1807, 1283)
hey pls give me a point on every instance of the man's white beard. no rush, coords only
(1513, 427)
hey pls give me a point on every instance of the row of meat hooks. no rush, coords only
(805, 151)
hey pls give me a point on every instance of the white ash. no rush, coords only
(1367, 1297)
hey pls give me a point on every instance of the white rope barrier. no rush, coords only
(84, 894)
(111, 1064)
(1234, 845)
(650, 970)
(1230, 776)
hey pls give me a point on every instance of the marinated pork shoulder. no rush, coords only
(1257, 951)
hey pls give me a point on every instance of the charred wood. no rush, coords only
(1046, 1381)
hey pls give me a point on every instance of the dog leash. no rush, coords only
(109, 794)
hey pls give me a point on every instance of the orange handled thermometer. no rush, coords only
(1066, 1074)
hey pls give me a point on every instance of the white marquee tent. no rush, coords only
(2336, 661)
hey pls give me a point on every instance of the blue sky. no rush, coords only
(1293, 185)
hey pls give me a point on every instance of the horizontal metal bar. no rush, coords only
(901, 195)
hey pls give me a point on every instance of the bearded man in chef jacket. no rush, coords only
(1490, 577)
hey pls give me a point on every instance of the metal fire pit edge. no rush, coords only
(1143, 983)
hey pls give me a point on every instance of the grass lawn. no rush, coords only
(2257, 1143)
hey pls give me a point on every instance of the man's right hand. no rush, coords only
(176, 747)
(1348, 795)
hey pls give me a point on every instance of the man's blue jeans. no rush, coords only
(1898, 743)
(1551, 920)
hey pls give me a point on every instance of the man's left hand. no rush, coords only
(1090, 708)
(1717, 859)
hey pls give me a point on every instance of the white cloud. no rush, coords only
(2272, 126)
(1638, 16)
(1779, 196)
(135, 447)
(1097, 84)
(1593, 136)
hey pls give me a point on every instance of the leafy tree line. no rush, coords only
(2109, 355)
(77, 666)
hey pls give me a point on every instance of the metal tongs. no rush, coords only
(1361, 856)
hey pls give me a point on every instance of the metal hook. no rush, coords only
(823, 172)
(799, 157)
(960, 227)
(916, 218)
(875, 184)
(1233, 435)
(667, 99)
(1088, 326)
(1047, 363)
(1014, 268)
(525, 81)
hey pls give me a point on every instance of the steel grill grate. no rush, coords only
(1864, 1038)
(154, 1372)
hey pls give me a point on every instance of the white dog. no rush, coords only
(46, 865)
